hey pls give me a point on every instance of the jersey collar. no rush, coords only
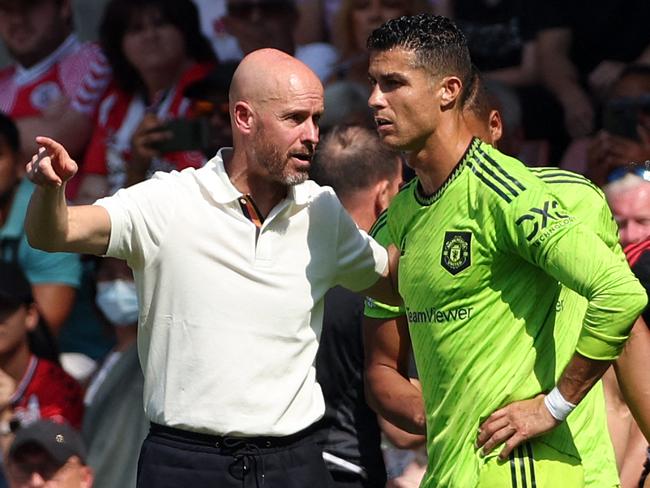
(426, 200)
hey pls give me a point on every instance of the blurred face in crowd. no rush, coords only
(151, 43)
(33, 467)
(9, 171)
(287, 130)
(31, 30)
(367, 15)
(262, 23)
(15, 323)
(631, 209)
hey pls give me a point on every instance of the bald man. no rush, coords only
(231, 263)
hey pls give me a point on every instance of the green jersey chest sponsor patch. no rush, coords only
(456, 251)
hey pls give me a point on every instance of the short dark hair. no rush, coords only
(352, 158)
(9, 132)
(118, 14)
(438, 44)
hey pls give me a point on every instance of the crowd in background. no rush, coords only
(570, 81)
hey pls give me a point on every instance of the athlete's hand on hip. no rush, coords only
(513, 424)
(51, 165)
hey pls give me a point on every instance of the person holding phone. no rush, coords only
(155, 49)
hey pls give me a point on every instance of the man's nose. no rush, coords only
(376, 99)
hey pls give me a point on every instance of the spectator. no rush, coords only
(55, 82)
(33, 388)
(114, 395)
(365, 176)
(209, 97)
(629, 198)
(258, 24)
(625, 136)
(54, 277)
(354, 22)
(501, 39)
(47, 453)
(155, 49)
(583, 47)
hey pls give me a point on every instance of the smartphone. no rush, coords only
(187, 135)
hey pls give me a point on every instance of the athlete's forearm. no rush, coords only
(395, 398)
(632, 375)
(388, 389)
(579, 376)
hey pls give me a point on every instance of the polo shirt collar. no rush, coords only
(223, 191)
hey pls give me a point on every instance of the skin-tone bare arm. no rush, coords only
(388, 389)
(50, 224)
(631, 373)
(561, 78)
(524, 74)
(519, 421)
(55, 302)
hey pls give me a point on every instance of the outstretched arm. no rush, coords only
(50, 224)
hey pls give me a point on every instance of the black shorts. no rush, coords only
(172, 458)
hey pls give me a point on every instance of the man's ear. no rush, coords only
(243, 117)
(495, 126)
(450, 90)
(382, 197)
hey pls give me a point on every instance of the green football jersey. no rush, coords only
(588, 422)
(481, 263)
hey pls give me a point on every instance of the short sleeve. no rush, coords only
(140, 216)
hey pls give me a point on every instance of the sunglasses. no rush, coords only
(639, 169)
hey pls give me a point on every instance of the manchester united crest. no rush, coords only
(456, 251)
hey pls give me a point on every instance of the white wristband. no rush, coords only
(557, 405)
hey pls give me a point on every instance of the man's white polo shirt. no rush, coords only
(229, 318)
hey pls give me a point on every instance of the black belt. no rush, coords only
(262, 442)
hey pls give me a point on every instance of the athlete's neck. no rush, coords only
(440, 155)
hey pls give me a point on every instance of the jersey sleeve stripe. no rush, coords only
(551, 181)
(489, 183)
(497, 179)
(501, 170)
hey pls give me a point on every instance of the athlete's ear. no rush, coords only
(450, 89)
(495, 126)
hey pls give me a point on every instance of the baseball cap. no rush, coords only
(15, 290)
(59, 440)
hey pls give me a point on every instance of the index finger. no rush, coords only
(54, 148)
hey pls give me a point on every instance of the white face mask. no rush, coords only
(118, 301)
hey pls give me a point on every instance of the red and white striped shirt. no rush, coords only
(75, 70)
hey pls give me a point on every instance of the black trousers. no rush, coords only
(172, 458)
